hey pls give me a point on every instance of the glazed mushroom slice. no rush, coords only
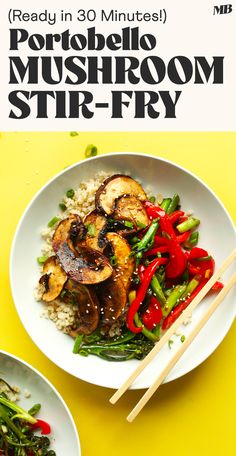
(113, 298)
(112, 188)
(86, 266)
(129, 208)
(53, 279)
(88, 306)
(124, 263)
(70, 230)
(95, 237)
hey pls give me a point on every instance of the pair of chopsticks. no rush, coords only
(167, 335)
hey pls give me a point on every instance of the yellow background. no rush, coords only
(194, 415)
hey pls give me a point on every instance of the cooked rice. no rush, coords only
(12, 394)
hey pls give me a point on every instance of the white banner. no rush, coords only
(134, 66)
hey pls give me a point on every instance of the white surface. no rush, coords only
(64, 438)
(217, 235)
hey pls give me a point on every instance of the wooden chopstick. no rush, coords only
(173, 328)
(148, 394)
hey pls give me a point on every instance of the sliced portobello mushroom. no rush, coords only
(129, 208)
(86, 266)
(113, 298)
(88, 306)
(95, 238)
(124, 264)
(112, 188)
(70, 230)
(53, 279)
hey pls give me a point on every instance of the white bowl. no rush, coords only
(64, 437)
(217, 235)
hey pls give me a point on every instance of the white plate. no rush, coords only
(217, 235)
(64, 437)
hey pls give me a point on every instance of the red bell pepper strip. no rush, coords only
(193, 270)
(217, 286)
(141, 293)
(183, 237)
(154, 212)
(153, 314)
(175, 216)
(159, 240)
(43, 425)
(176, 312)
(204, 268)
(178, 261)
(161, 249)
(197, 252)
(141, 270)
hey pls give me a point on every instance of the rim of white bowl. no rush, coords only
(64, 171)
(36, 371)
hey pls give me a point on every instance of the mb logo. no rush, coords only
(222, 9)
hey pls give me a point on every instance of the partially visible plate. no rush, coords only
(217, 235)
(64, 437)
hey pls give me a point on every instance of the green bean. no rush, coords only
(149, 235)
(157, 290)
(188, 225)
(62, 206)
(77, 343)
(70, 193)
(191, 286)
(53, 222)
(168, 292)
(134, 240)
(140, 224)
(41, 260)
(34, 410)
(160, 275)
(173, 205)
(152, 199)
(128, 224)
(173, 299)
(193, 240)
(148, 334)
(165, 204)
(157, 330)
(20, 413)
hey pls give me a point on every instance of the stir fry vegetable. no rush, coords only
(121, 348)
(17, 430)
(131, 266)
